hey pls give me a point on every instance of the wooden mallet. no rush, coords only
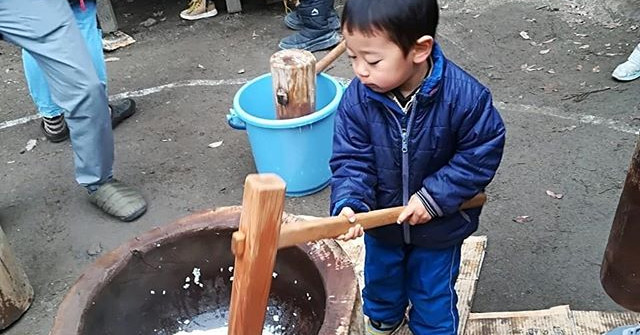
(260, 235)
(293, 74)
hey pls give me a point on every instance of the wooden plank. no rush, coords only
(556, 320)
(16, 294)
(260, 221)
(106, 16)
(234, 6)
(596, 323)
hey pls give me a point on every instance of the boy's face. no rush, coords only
(378, 62)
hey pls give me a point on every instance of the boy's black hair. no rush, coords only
(404, 21)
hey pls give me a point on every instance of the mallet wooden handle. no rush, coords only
(322, 64)
(335, 226)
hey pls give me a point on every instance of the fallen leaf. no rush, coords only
(445, 7)
(94, 249)
(166, 140)
(549, 41)
(241, 71)
(215, 144)
(525, 35)
(581, 35)
(545, 51)
(148, 22)
(532, 67)
(555, 195)
(31, 144)
(570, 128)
(200, 66)
(586, 46)
(523, 219)
(11, 162)
(551, 71)
(111, 59)
(596, 69)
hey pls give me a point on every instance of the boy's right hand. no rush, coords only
(353, 232)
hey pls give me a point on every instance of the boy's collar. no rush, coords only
(430, 85)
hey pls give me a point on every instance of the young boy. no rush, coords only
(412, 129)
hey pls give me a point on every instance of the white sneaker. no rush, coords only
(630, 69)
(199, 9)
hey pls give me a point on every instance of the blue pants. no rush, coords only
(38, 86)
(49, 32)
(395, 275)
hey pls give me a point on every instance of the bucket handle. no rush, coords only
(234, 121)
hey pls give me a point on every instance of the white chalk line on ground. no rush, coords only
(141, 93)
(582, 118)
(546, 111)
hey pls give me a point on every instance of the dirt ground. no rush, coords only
(559, 139)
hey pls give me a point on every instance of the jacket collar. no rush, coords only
(430, 85)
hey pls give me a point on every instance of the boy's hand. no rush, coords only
(414, 213)
(353, 232)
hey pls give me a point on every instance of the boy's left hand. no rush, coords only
(414, 213)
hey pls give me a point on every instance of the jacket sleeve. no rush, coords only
(480, 143)
(352, 162)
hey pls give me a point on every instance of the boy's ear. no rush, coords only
(422, 49)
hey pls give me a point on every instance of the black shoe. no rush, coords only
(56, 137)
(121, 110)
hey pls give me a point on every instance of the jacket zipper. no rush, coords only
(406, 229)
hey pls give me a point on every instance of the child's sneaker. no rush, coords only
(199, 9)
(625, 330)
(630, 69)
(379, 328)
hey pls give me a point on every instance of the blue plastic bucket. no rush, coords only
(298, 150)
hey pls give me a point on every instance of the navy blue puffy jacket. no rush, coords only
(446, 148)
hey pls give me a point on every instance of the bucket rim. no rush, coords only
(288, 123)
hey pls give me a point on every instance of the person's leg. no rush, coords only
(88, 24)
(47, 30)
(316, 33)
(53, 125)
(384, 297)
(431, 277)
(629, 70)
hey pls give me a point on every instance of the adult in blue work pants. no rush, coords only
(48, 31)
(53, 124)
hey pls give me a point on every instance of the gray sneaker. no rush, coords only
(293, 21)
(119, 200)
